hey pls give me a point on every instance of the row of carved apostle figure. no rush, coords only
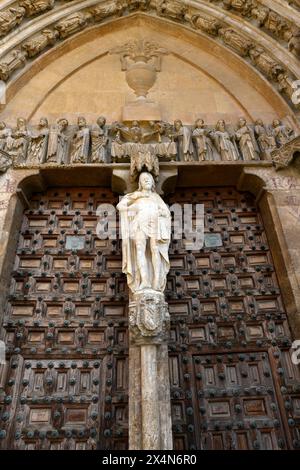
(65, 144)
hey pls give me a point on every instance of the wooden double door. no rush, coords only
(65, 384)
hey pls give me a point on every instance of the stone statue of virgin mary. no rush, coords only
(146, 232)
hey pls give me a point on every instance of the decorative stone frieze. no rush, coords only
(142, 144)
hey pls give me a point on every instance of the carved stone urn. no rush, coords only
(141, 60)
(141, 77)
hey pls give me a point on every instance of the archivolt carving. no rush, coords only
(294, 3)
(211, 21)
(271, 20)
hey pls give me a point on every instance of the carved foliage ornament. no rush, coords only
(284, 156)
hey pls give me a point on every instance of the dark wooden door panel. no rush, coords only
(66, 385)
(233, 384)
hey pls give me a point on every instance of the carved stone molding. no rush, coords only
(283, 156)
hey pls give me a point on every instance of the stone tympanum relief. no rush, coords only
(266, 142)
(143, 144)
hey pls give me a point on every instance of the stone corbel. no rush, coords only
(283, 156)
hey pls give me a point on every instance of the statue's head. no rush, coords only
(62, 123)
(21, 123)
(2, 125)
(43, 122)
(220, 125)
(101, 121)
(177, 125)
(199, 123)
(47, 32)
(259, 122)
(81, 122)
(146, 181)
(276, 123)
(19, 12)
(242, 122)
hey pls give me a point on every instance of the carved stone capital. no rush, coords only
(284, 155)
(149, 319)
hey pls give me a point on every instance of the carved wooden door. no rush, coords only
(233, 384)
(66, 383)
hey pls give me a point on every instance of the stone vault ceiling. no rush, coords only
(264, 33)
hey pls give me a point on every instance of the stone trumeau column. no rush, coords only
(146, 230)
(149, 399)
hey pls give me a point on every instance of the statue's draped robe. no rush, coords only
(81, 146)
(148, 221)
(185, 144)
(99, 142)
(38, 146)
(204, 146)
(57, 147)
(225, 146)
(247, 142)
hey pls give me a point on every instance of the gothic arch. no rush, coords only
(253, 95)
(274, 61)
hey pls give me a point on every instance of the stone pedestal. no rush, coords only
(150, 425)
